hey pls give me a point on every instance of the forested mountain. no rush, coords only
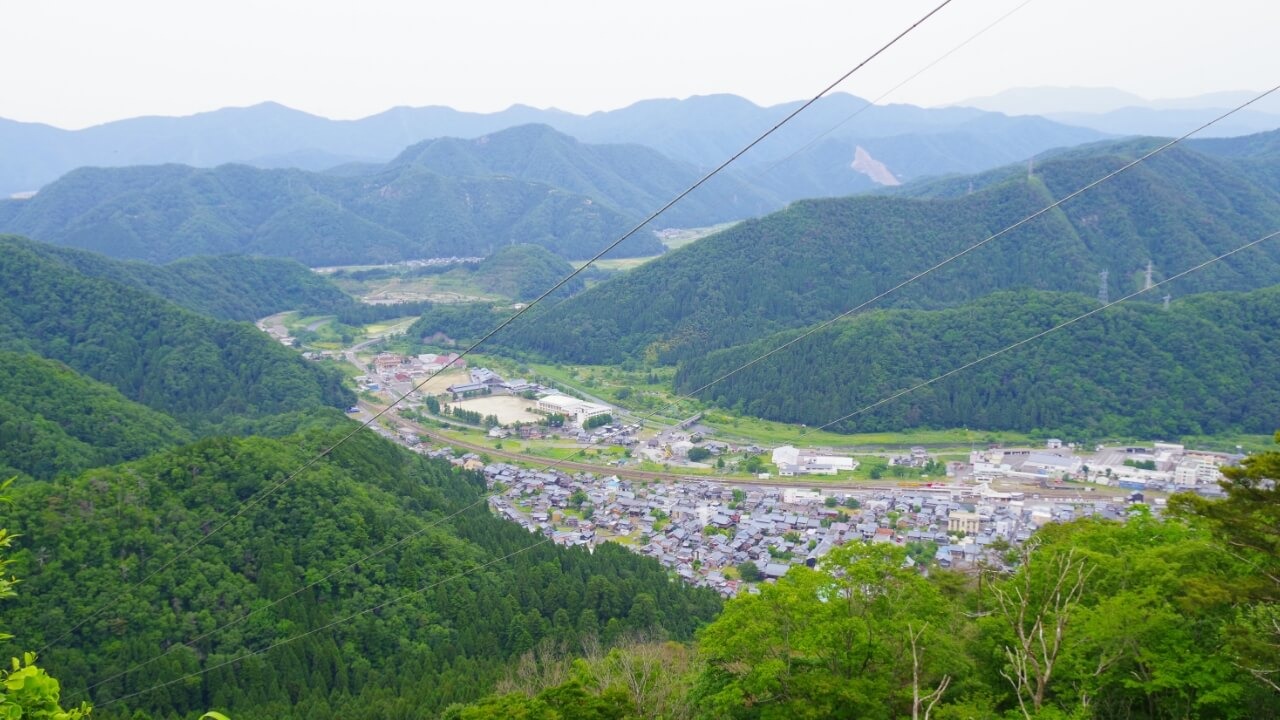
(700, 130)
(162, 213)
(54, 421)
(195, 368)
(631, 178)
(434, 639)
(819, 258)
(226, 287)
(523, 272)
(1204, 366)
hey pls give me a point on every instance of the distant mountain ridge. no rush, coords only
(403, 211)
(700, 130)
(1117, 112)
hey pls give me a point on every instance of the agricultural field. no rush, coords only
(440, 383)
(508, 408)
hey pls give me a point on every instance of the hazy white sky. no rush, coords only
(74, 63)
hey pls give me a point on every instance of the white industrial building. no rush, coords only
(577, 411)
(791, 461)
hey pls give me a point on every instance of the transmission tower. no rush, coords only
(1166, 301)
(1147, 285)
(1103, 297)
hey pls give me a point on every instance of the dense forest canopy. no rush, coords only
(86, 542)
(197, 369)
(54, 421)
(1204, 366)
(225, 287)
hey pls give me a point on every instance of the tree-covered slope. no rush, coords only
(1206, 365)
(436, 638)
(162, 213)
(524, 272)
(54, 421)
(631, 178)
(195, 368)
(228, 287)
(819, 258)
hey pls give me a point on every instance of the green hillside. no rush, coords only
(632, 178)
(194, 368)
(225, 287)
(82, 543)
(1204, 366)
(819, 258)
(54, 421)
(162, 213)
(524, 272)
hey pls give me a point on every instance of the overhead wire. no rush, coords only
(1038, 335)
(257, 498)
(543, 540)
(872, 103)
(818, 328)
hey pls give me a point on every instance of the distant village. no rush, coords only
(709, 532)
(706, 531)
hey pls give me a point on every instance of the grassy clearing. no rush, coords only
(385, 327)
(679, 237)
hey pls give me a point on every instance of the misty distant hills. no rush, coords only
(701, 131)
(1117, 112)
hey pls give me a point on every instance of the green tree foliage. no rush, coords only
(524, 272)
(597, 421)
(1093, 619)
(87, 541)
(54, 421)
(225, 287)
(197, 369)
(1248, 523)
(1211, 355)
(749, 571)
(819, 258)
(698, 454)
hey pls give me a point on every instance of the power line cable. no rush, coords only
(872, 103)
(544, 540)
(828, 323)
(257, 498)
(717, 380)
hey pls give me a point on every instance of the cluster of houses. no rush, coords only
(700, 530)
(1162, 466)
(392, 367)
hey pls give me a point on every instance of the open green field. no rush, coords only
(680, 237)
(448, 287)
(386, 327)
(617, 264)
